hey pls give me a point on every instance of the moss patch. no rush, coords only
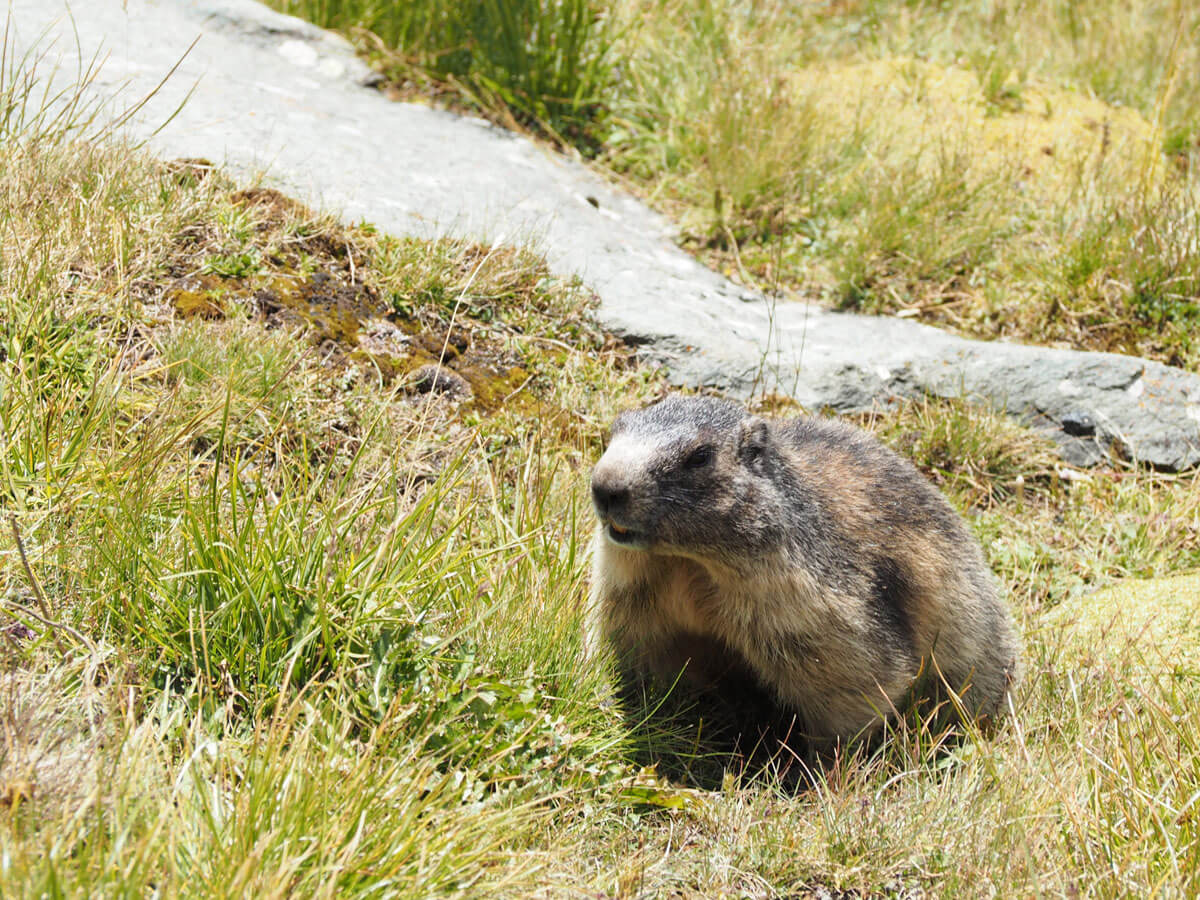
(1146, 626)
(448, 318)
(1047, 137)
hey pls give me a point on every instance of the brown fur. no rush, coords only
(797, 559)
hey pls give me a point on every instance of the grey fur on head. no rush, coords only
(800, 557)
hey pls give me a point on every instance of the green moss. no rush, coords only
(204, 304)
(1153, 621)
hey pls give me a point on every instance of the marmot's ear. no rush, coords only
(754, 436)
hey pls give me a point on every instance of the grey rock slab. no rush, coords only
(271, 95)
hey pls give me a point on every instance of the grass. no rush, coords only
(319, 627)
(896, 157)
(542, 64)
(1013, 170)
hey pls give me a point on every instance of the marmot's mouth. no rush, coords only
(621, 535)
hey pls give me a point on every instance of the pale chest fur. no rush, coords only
(759, 612)
(686, 597)
(808, 642)
(647, 592)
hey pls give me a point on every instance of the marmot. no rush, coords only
(792, 569)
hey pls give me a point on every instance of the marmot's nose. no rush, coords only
(607, 496)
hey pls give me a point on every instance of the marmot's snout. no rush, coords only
(609, 498)
(612, 497)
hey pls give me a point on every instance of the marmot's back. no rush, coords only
(911, 556)
(802, 555)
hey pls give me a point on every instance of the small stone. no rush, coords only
(434, 379)
(1080, 452)
(1078, 423)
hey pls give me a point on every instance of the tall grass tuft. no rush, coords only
(547, 63)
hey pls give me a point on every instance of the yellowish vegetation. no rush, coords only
(1005, 169)
(1156, 620)
(1039, 138)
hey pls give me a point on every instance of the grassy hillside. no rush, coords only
(1025, 170)
(286, 614)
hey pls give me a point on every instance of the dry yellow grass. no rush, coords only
(1044, 139)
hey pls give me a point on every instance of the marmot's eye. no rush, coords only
(699, 457)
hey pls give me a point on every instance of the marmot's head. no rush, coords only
(690, 475)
